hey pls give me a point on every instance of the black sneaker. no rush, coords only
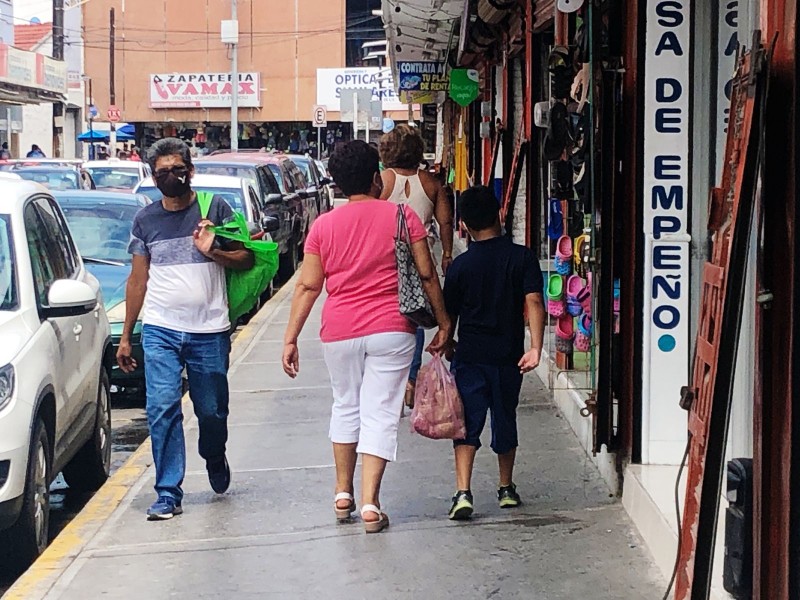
(219, 474)
(462, 506)
(508, 496)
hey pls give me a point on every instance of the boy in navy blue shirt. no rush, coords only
(488, 291)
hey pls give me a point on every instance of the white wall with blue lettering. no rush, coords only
(666, 210)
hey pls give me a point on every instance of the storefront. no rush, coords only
(603, 128)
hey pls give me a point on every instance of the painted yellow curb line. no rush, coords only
(39, 579)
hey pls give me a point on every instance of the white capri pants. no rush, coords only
(368, 377)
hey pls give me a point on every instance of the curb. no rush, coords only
(43, 574)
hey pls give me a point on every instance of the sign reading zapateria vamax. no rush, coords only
(203, 90)
(666, 209)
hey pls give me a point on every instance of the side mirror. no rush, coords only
(304, 194)
(271, 224)
(274, 198)
(311, 190)
(325, 181)
(70, 298)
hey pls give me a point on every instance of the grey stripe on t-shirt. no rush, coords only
(175, 251)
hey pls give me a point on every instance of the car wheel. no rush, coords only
(91, 466)
(24, 541)
(288, 262)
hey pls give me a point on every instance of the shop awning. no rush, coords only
(30, 77)
(99, 136)
(421, 30)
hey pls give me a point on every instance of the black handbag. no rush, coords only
(414, 303)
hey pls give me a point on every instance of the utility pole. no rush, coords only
(235, 82)
(112, 136)
(58, 54)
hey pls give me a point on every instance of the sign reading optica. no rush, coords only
(667, 81)
(203, 90)
(422, 76)
(330, 83)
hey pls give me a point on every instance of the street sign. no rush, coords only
(114, 113)
(320, 116)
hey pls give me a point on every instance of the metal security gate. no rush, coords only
(708, 398)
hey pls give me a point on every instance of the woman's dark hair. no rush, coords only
(478, 208)
(168, 147)
(353, 166)
(402, 148)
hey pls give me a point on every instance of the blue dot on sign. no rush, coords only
(666, 343)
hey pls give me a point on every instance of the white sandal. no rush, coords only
(374, 526)
(344, 514)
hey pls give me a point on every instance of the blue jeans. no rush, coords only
(206, 358)
(416, 362)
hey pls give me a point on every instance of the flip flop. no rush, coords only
(563, 259)
(564, 338)
(555, 141)
(374, 526)
(555, 226)
(555, 295)
(559, 63)
(616, 296)
(583, 336)
(564, 175)
(574, 286)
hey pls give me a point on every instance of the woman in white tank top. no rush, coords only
(404, 182)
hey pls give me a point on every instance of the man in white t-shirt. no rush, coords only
(177, 283)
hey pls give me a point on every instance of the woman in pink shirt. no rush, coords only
(368, 345)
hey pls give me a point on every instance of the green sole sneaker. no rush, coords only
(508, 496)
(462, 507)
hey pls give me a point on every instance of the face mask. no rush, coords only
(173, 186)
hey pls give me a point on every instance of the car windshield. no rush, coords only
(276, 170)
(248, 173)
(102, 229)
(114, 177)
(8, 276)
(232, 196)
(60, 179)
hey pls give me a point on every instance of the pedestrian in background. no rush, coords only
(488, 291)
(177, 281)
(35, 152)
(405, 182)
(368, 344)
(4, 152)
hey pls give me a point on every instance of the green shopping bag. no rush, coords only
(244, 287)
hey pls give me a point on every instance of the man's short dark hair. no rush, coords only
(353, 166)
(168, 147)
(478, 208)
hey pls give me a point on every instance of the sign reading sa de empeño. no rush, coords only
(423, 76)
(667, 80)
(203, 90)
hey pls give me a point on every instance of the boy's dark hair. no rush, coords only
(478, 208)
(353, 166)
(168, 147)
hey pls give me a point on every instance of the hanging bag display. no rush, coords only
(244, 287)
(414, 304)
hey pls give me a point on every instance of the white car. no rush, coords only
(117, 174)
(55, 360)
(238, 192)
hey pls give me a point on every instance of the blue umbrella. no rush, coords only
(127, 130)
(102, 136)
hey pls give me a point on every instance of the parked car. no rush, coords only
(329, 186)
(238, 192)
(55, 176)
(275, 176)
(117, 174)
(318, 182)
(100, 222)
(55, 360)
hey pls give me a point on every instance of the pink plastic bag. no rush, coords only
(438, 411)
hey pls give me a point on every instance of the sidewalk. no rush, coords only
(274, 534)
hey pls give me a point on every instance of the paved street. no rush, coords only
(274, 534)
